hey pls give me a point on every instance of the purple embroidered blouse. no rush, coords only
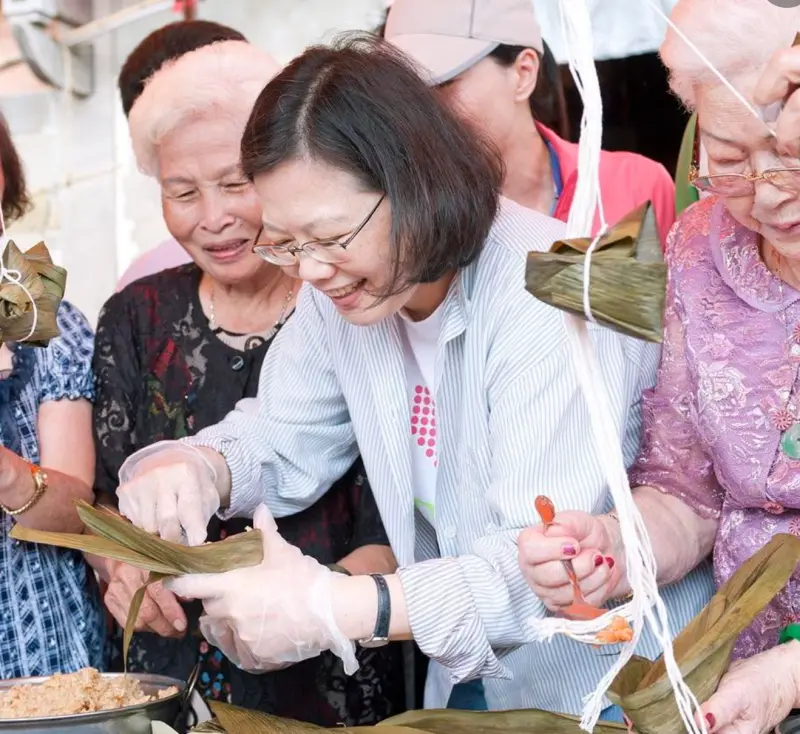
(728, 379)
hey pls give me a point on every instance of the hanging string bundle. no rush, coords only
(646, 603)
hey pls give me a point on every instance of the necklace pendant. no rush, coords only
(790, 442)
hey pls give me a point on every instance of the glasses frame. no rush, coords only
(263, 251)
(752, 178)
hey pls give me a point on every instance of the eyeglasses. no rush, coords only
(744, 184)
(739, 184)
(330, 252)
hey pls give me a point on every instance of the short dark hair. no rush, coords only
(169, 42)
(548, 102)
(16, 200)
(360, 107)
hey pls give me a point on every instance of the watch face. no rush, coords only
(374, 642)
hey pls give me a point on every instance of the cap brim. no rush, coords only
(443, 58)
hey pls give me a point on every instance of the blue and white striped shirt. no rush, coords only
(512, 424)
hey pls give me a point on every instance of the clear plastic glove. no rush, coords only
(160, 612)
(169, 488)
(271, 615)
(588, 541)
(756, 694)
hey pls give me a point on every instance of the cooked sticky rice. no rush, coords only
(68, 694)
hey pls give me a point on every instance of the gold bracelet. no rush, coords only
(40, 486)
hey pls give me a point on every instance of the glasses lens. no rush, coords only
(787, 179)
(275, 256)
(731, 184)
(326, 252)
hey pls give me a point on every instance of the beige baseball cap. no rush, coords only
(447, 37)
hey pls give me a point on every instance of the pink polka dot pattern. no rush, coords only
(423, 422)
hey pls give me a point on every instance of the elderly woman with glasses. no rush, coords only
(177, 350)
(719, 470)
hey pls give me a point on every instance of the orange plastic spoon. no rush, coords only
(580, 609)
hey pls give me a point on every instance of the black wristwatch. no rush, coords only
(380, 635)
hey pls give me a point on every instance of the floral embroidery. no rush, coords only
(727, 390)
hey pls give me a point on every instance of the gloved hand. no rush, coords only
(586, 540)
(756, 694)
(169, 488)
(271, 615)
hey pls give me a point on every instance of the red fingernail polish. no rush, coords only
(711, 721)
(569, 550)
(610, 561)
(598, 561)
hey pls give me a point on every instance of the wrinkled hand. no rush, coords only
(778, 83)
(756, 694)
(160, 611)
(169, 489)
(270, 615)
(584, 539)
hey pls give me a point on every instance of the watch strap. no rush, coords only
(380, 635)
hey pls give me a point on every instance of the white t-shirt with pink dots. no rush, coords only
(420, 339)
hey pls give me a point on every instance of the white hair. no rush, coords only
(222, 79)
(736, 36)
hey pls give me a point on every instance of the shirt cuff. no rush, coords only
(246, 492)
(453, 634)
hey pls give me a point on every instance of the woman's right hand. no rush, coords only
(591, 542)
(160, 612)
(170, 488)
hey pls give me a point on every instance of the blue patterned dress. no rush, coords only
(51, 619)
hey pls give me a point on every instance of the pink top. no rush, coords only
(168, 254)
(727, 387)
(627, 180)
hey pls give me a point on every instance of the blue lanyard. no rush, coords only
(558, 183)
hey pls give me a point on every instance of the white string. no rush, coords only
(713, 69)
(15, 277)
(640, 562)
(587, 269)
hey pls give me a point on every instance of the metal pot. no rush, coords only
(129, 720)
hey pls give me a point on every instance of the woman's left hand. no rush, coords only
(756, 694)
(272, 615)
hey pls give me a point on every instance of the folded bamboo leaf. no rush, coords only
(133, 613)
(627, 277)
(93, 544)
(522, 721)
(236, 551)
(114, 537)
(125, 542)
(235, 719)
(45, 284)
(703, 649)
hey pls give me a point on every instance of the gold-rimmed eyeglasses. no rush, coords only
(744, 184)
(330, 252)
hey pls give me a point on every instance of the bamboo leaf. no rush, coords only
(115, 537)
(133, 613)
(627, 279)
(703, 649)
(93, 544)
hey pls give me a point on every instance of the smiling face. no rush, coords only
(306, 201)
(209, 207)
(736, 142)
